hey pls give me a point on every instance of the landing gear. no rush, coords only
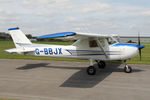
(91, 70)
(127, 68)
(101, 64)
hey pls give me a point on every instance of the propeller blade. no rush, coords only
(139, 43)
(140, 53)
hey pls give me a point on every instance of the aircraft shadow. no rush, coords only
(80, 79)
(31, 66)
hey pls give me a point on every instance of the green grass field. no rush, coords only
(9, 44)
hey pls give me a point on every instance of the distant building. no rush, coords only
(4, 36)
(125, 39)
(33, 40)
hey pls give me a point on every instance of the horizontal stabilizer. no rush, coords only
(15, 50)
(56, 35)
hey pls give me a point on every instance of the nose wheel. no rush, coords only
(127, 68)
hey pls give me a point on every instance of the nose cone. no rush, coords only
(128, 50)
(128, 45)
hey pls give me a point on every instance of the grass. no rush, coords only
(9, 44)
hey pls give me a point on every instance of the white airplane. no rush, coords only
(94, 47)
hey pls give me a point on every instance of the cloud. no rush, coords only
(73, 15)
(1, 10)
(146, 13)
(47, 7)
(94, 7)
(71, 19)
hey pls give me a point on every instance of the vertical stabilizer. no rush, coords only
(18, 37)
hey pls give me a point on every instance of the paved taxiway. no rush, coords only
(62, 80)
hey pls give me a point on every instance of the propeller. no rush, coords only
(139, 43)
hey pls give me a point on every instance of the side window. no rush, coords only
(93, 43)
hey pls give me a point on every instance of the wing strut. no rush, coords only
(101, 47)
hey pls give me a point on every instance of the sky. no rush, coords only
(41, 17)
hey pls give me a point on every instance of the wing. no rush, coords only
(76, 34)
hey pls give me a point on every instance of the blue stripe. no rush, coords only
(92, 54)
(69, 51)
(95, 54)
(55, 35)
(124, 44)
(16, 28)
(89, 54)
(127, 44)
(91, 50)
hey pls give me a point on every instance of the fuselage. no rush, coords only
(117, 51)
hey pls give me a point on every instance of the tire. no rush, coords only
(101, 64)
(91, 70)
(127, 69)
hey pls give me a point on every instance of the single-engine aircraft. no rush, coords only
(94, 47)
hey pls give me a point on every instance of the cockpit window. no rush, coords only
(93, 43)
(111, 41)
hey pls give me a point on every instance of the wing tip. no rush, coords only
(15, 28)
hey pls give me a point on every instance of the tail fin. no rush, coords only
(18, 37)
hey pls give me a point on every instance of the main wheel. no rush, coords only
(91, 70)
(127, 69)
(101, 64)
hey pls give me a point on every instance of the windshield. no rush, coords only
(111, 41)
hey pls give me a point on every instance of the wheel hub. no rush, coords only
(91, 70)
(127, 69)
